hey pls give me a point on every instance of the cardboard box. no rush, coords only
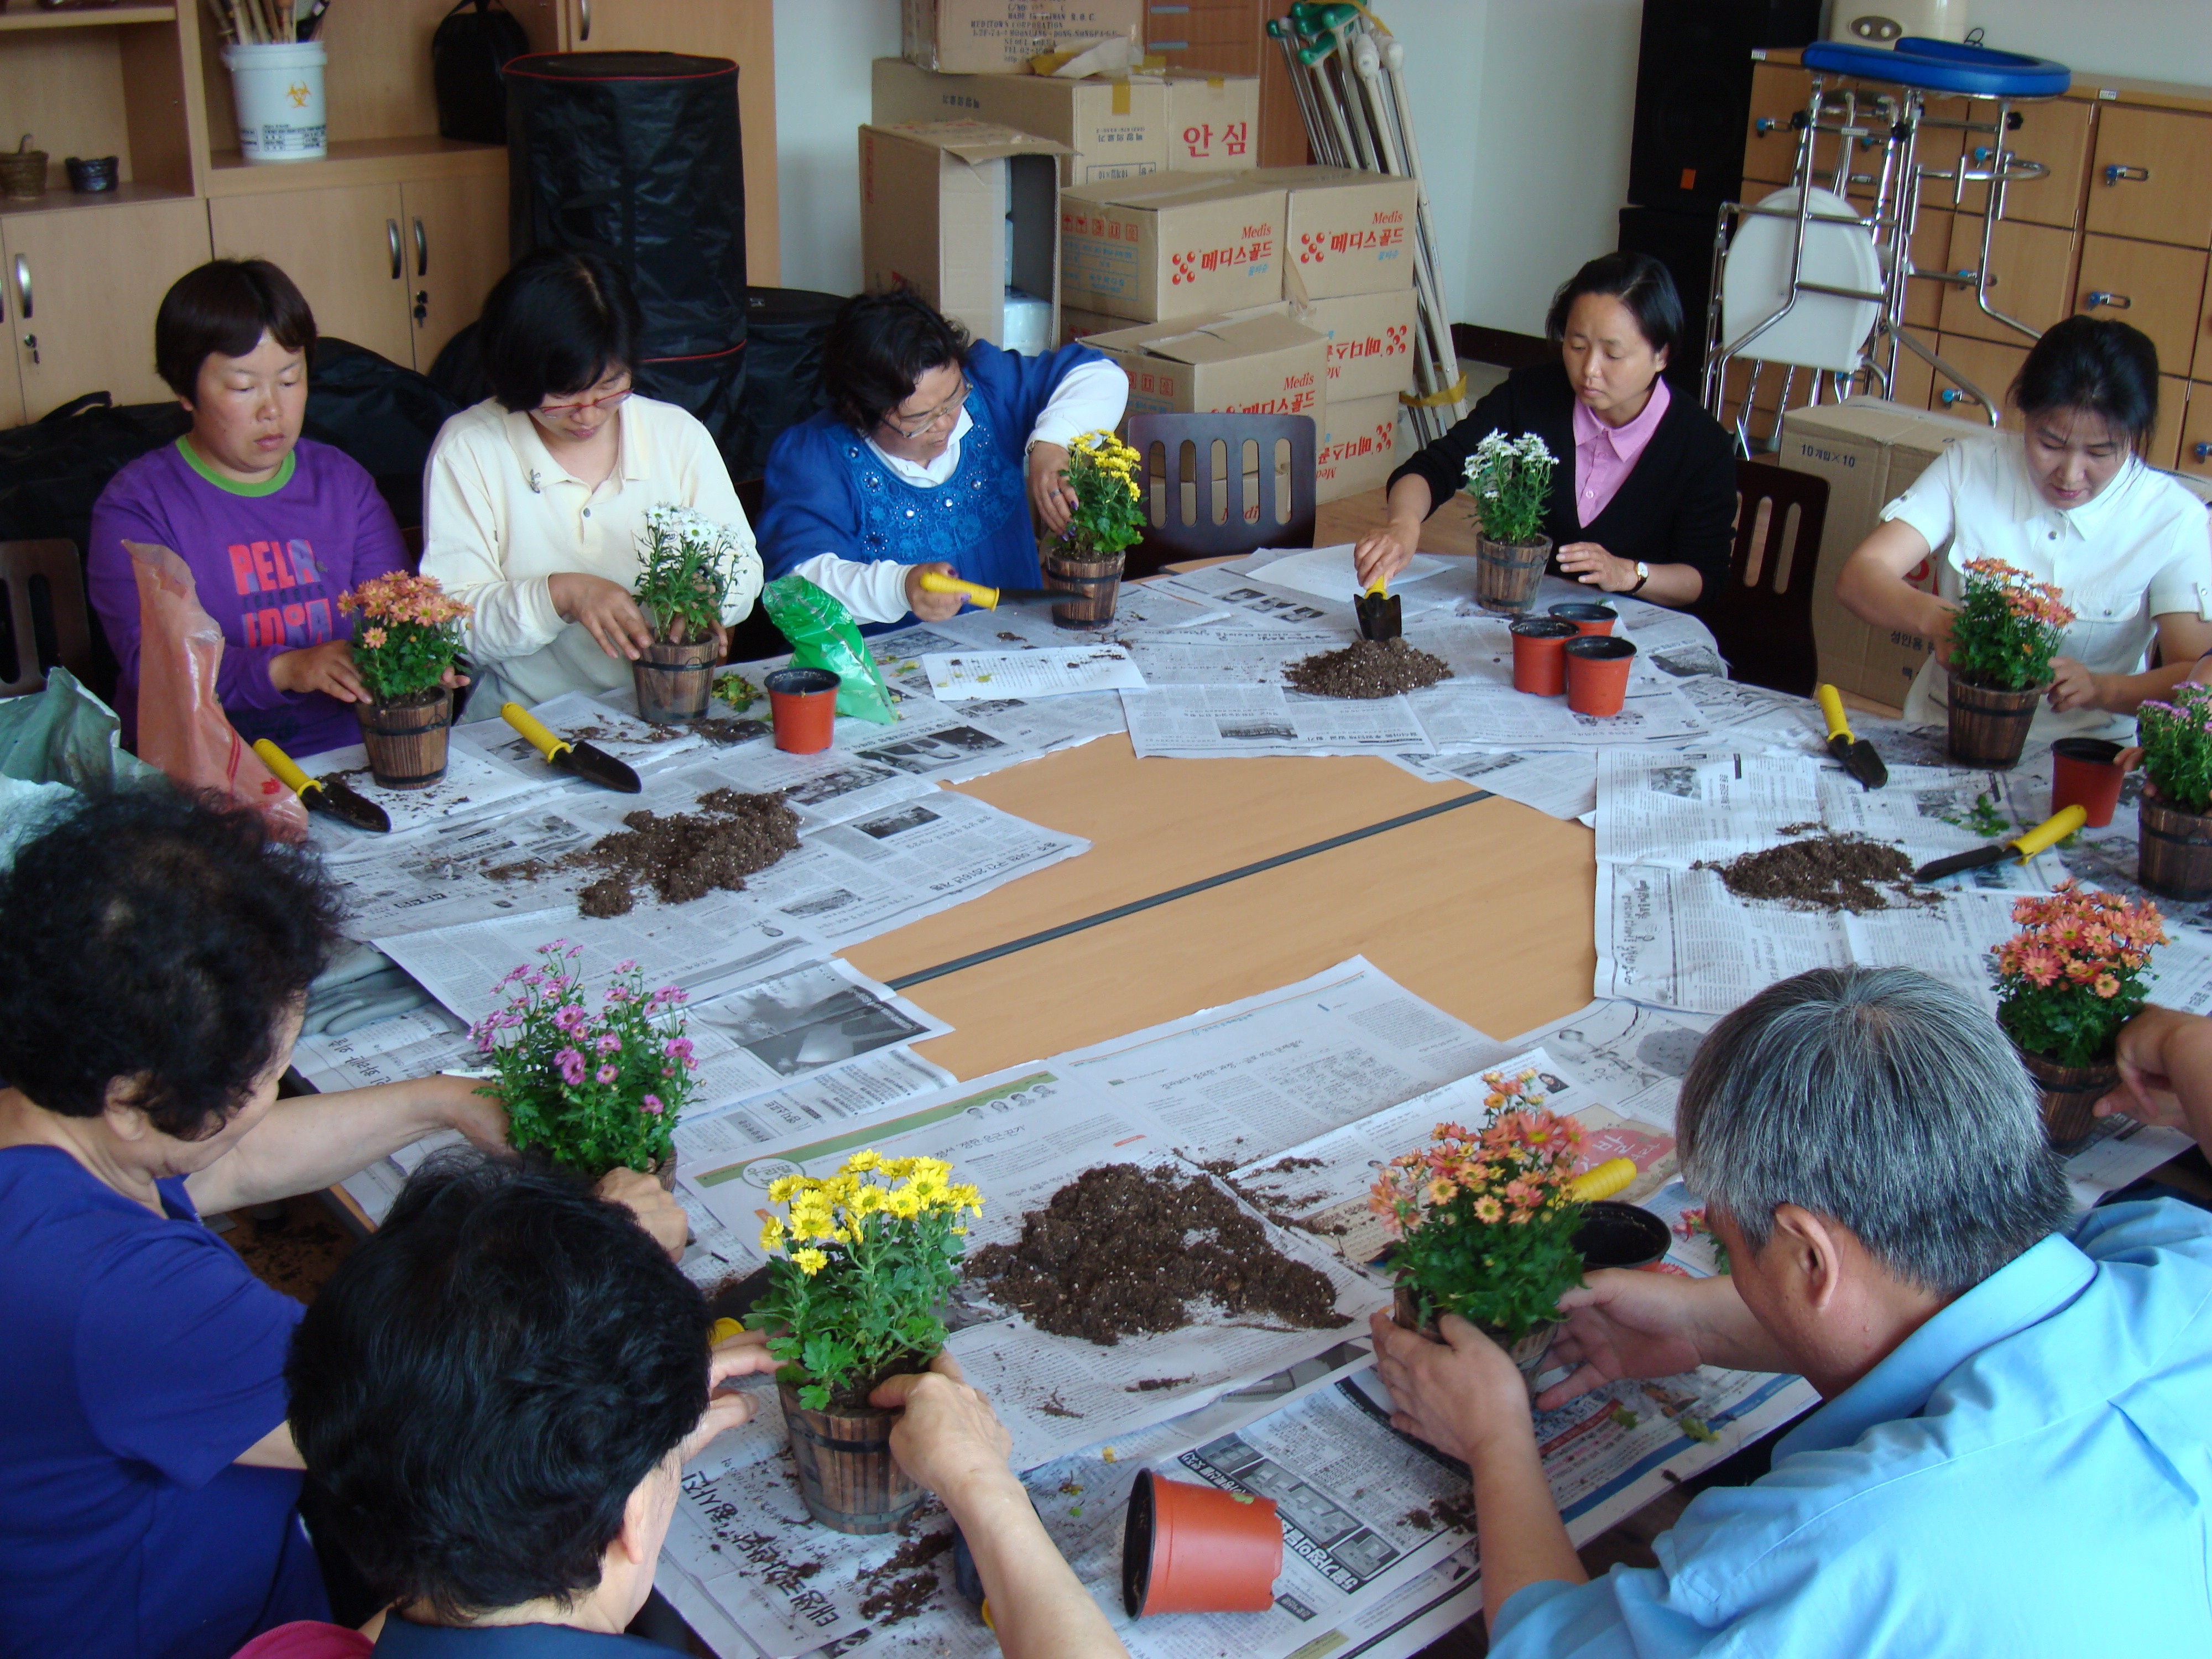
(997, 37)
(1112, 129)
(953, 207)
(1265, 365)
(1344, 231)
(1213, 122)
(1172, 245)
(1358, 447)
(1869, 451)
(1370, 342)
(1077, 325)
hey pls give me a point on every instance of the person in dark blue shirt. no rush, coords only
(157, 957)
(934, 454)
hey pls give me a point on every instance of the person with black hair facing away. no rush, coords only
(937, 453)
(1643, 496)
(2070, 502)
(535, 500)
(499, 1392)
(158, 956)
(273, 526)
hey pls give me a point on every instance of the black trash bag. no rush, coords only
(785, 328)
(710, 388)
(383, 415)
(474, 42)
(460, 371)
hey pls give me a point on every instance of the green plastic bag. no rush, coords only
(822, 636)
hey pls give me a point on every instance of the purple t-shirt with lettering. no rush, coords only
(269, 561)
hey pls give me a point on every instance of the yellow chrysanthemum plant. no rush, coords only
(1109, 514)
(860, 1265)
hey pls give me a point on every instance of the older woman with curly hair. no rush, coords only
(158, 956)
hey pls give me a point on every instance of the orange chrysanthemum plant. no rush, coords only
(408, 633)
(1485, 1218)
(2007, 628)
(2074, 973)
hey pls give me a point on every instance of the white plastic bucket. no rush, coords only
(279, 94)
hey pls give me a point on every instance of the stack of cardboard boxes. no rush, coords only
(1215, 285)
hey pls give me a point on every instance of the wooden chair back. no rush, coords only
(43, 620)
(1763, 617)
(1236, 512)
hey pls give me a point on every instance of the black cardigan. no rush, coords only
(1677, 505)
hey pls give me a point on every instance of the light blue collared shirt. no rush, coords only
(2028, 1474)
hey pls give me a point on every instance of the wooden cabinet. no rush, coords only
(1991, 367)
(2057, 134)
(82, 284)
(344, 248)
(2030, 266)
(1931, 250)
(2152, 177)
(2158, 289)
(455, 246)
(2172, 412)
(1779, 91)
(743, 31)
(2196, 451)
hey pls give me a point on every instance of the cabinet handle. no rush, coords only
(584, 20)
(2114, 173)
(421, 251)
(1951, 394)
(392, 235)
(1764, 125)
(23, 286)
(2097, 297)
(2203, 451)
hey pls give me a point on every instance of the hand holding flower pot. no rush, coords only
(403, 649)
(867, 1258)
(1108, 520)
(1486, 1220)
(2066, 983)
(687, 569)
(1510, 479)
(2175, 837)
(2003, 641)
(591, 1093)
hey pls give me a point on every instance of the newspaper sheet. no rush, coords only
(1327, 571)
(1561, 782)
(439, 876)
(1210, 722)
(1481, 710)
(1627, 1053)
(1225, 656)
(1141, 610)
(473, 782)
(1038, 672)
(1219, 586)
(609, 720)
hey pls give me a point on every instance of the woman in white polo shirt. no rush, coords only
(536, 498)
(2071, 503)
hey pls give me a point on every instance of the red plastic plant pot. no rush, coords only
(2085, 772)
(1588, 619)
(1597, 673)
(803, 703)
(1539, 669)
(1193, 1549)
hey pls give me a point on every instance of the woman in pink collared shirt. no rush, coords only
(1643, 497)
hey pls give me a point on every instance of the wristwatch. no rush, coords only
(1643, 575)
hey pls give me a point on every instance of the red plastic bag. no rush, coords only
(181, 726)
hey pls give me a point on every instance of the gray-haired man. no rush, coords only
(2012, 1457)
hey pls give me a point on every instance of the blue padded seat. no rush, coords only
(1943, 66)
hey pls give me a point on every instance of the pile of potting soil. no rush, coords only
(1122, 1251)
(1366, 668)
(1824, 872)
(686, 855)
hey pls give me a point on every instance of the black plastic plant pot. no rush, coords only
(1616, 1234)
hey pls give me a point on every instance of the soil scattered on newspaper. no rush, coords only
(906, 1583)
(1366, 668)
(683, 855)
(1824, 872)
(1122, 1251)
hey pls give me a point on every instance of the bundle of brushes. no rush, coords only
(267, 23)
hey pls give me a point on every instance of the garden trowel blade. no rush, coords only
(595, 765)
(1382, 616)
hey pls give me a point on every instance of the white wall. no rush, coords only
(2141, 39)
(822, 51)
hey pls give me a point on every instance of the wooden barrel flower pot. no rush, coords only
(1526, 1352)
(2070, 1094)
(1506, 574)
(2174, 848)
(848, 1478)
(1093, 579)
(1189, 1548)
(674, 679)
(405, 737)
(1989, 724)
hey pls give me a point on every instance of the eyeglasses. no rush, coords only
(609, 400)
(944, 414)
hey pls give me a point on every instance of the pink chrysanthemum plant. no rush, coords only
(2074, 973)
(2008, 627)
(2177, 747)
(590, 1092)
(407, 635)
(1485, 1218)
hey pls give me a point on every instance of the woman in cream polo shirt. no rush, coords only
(537, 497)
(2071, 503)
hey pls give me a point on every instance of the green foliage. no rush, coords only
(2177, 745)
(1982, 817)
(1510, 479)
(1109, 514)
(685, 572)
(592, 1094)
(2008, 628)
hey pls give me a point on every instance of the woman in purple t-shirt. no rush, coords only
(274, 527)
